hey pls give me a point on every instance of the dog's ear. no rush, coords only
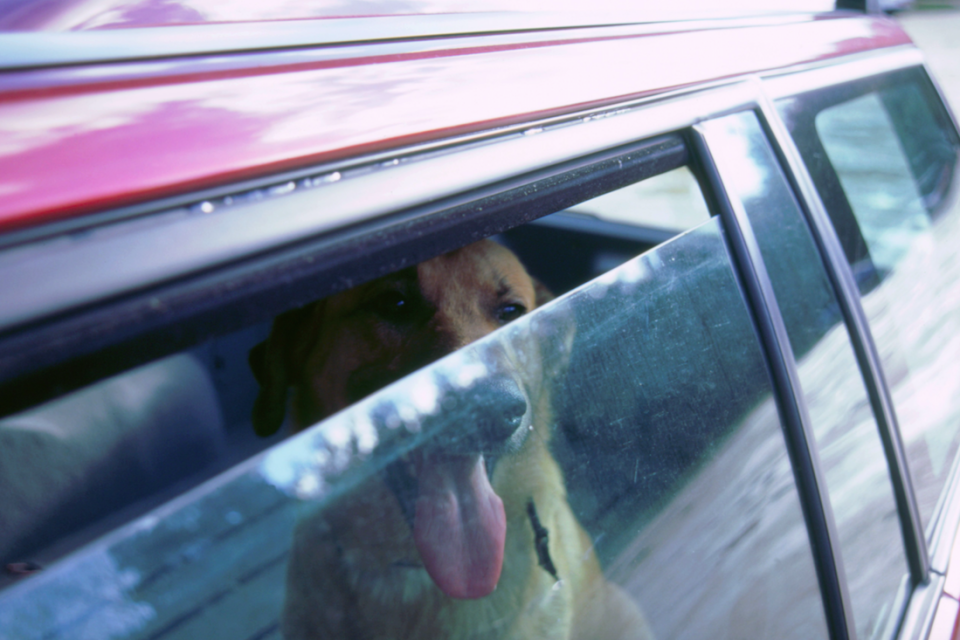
(274, 362)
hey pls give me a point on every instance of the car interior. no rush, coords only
(127, 444)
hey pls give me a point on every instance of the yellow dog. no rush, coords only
(471, 552)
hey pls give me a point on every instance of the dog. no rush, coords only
(486, 546)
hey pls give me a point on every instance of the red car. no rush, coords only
(722, 398)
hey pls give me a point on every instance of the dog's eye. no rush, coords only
(510, 312)
(392, 306)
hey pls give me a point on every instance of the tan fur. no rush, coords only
(355, 571)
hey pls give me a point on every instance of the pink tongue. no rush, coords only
(460, 525)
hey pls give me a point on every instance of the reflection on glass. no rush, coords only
(643, 478)
(846, 433)
(673, 451)
(894, 186)
(670, 457)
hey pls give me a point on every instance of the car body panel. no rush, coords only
(86, 138)
(111, 14)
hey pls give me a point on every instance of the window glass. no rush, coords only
(846, 433)
(612, 464)
(895, 165)
(674, 451)
(643, 477)
(79, 466)
(669, 201)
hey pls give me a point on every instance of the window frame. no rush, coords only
(798, 429)
(928, 561)
(52, 347)
(107, 298)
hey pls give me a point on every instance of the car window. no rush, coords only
(670, 201)
(851, 453)
(915, 311)
(676, 453)
(78, 466)
(894, 204)
(616, 459)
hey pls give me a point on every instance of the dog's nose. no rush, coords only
(482, 417)
(499, 405)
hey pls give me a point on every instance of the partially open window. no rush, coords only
(609, 463)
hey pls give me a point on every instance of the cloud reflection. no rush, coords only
(49, 603)
(344, 449)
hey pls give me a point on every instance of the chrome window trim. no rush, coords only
(945, 525)
(52, 48)
(71, 271)
(808, 470)
(921, 609)
(868, 357)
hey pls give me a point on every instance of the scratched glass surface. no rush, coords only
(846, 433)
(899, 189)
(650, 383)
(651, 388)
(673, 451)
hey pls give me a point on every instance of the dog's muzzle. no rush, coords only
(485, 417)
(457, 519)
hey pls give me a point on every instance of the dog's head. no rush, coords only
(343, 348)
(338, 350)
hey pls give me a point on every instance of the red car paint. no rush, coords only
(80, 15)
(90, 137)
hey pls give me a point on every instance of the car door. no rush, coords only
(668, 422)
(880, 150)
(721, 434)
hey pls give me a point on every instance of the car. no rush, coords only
(747, 379)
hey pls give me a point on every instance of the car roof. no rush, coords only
(70, 15)
(108, 118)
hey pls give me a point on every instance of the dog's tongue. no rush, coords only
(460, 525)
